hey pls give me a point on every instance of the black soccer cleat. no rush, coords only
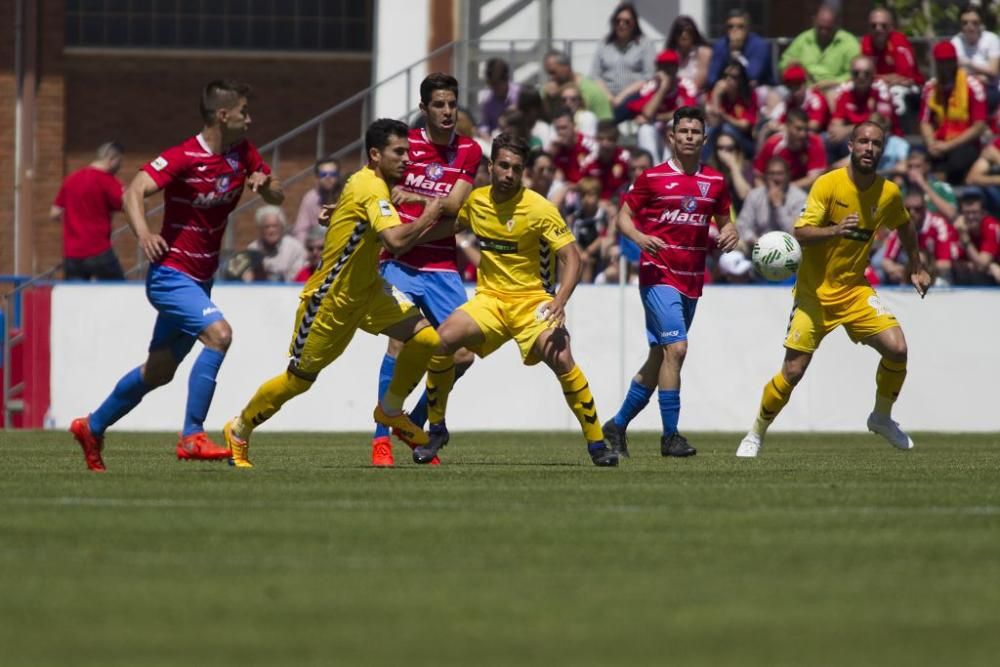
(602, 455)
(676, 445)
(439, 437)
(616, 438)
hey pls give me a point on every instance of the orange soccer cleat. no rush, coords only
(198, 447)
(91, 446)
(382, 452)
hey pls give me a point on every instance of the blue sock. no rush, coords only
(201, 388)
(384, 379)
(670, 409)
(126, 395)
(635, 400)
(419, 413)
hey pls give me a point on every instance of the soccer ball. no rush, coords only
(776, 255)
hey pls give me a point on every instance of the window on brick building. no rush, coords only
(254, 25)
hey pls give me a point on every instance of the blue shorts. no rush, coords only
(184, 308)
(668, 314)
(436, 293)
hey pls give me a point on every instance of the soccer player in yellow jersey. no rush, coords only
(845, 209)
(518, 232)
(346, 293)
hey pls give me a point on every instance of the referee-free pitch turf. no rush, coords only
(828, 550)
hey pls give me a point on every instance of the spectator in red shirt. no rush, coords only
(800, 148)
(952, 115)
(86, 202)
(978, 243)
(654, 104)
(895, 65)
(937, 239)
(856, 101)
(569, 149)
(731, 108)
(610, 165)
(800, 96)
(314, 254)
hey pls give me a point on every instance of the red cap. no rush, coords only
(794, 74)
(945, 50)
(668, 57)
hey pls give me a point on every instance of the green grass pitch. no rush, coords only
(828, 550)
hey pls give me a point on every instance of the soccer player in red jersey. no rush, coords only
(443, 166)
(203, 178)
(667, 213)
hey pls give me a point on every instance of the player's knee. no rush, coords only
(218, 336)
(464, 357)
(676, 352)
(896, 352)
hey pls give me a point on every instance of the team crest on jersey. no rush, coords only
(222, 184)
(233, 160)
(434, 171)
(509, 225)
(689, 203)
(703, 188)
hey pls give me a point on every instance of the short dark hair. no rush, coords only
(641, 152)
(690, 113)
(378, 133)
(437, 81)
(221, 94)
(110, 149)
(497, 69)
(511, 142)
(867, 123)
(534, 156)
(607, 125)
(777, 160)
(969, 7)
(796, 114)
(560, 112)
(971, 196)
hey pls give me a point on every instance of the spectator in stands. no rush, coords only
(857, 101)
(937, 240)
(283, 255)
(735, 167)
(540, 172)
(589, 224)
(979, 52)
(695, 54)
(610, 164)
(314, 254)
(938, 194)
(802, 150)
(618, 244)
(731, 109)
(985, 175)
(800, 96)
(978, 243)
(326, 192)
(482, 173)
(657, 100)
(583, 118)
(515, 123)
(895, 63)
(773, 206)
(569, 149)
(748, 47)
(825, 51)
(560, 71)
(499, 95)
(896, 151)
(952, 115)
(529, 103)
(86, 201)
(246, 266)
(625, 57)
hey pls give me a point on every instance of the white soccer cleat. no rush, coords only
(750, 446)
(888, 429)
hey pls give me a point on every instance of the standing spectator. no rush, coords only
(314, 254)
(857, 101)
(936, 238)
(584, 119)
(569, 149)
(748, 47)
(978, 243)
(499, 96)
(825, 51)
(284, 255)
(86, 201)
(895, 60)
(560, 71)
(985, 175)
(656, 102)
(800, 148)
(625, 57)
(773, 206)
(952, 115)
(735, 167)
(326, 193)
(938, 194)
(979, 52)
(732, 109)
(693, 49)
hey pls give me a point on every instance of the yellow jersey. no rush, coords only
(351, 248)
(518, 240)
(831, 267)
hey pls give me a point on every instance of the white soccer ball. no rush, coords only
(776, 256)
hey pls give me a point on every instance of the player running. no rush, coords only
(203, 178)
(844, 211)
(667, 213)
(346, 294)
(442, 166)
(518, 230)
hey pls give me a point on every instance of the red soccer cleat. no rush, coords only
(91, 446)
(382, 452)
(198, 447)
(412, 445)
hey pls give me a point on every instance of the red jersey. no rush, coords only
(570, 159)
(800, 163)
(201, 189)
(684, 94)
(814, 104)
(955, 114)
(896, 57)
(433, 171)
(853, 106)
(612, 174)
(936, 237)
(988, 239)
(677, 208)
(741, 109)
(88, 198)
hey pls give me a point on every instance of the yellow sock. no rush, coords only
(776, 395)
(888, 381)
(576, 389)
(268, 400)
(410, 366)
(440, 380)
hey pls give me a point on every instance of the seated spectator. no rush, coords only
(246, 266)
(560, 71)
(979, 52)
(895, 64)
(773, 206)
(978, 243)
(283, 255)
(610, 164)
(800, 148)
(952, 115)
(499, 96)
(938, 194)
(314, 254)
(736, 168)
(825, 51)
(569, 149)
(752, 50)
(626, 55)
(589, 224)
(585, 120)
(695, 54)
(540, 177)
(985, 175)
(800, 96)
(327, 192)
(657, 100)
(731, 109)
(514, 122)
(529, 103)
(896, 150)
(936, 238)
(856, 101)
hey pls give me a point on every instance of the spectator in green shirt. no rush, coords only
(560, 71)
(825, 51)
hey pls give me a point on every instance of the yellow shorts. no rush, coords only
(860, 311)
(503, 318)
(322, 334)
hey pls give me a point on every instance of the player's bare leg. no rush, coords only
(776, 394)
(889, 377)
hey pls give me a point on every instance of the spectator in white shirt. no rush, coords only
(979, 52)
(773, 206)
(283, 255)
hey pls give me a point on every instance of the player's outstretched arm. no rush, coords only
(401, 238)
(570, 270)
(142, 186)
(919, 276)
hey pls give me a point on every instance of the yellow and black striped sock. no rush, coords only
(888, 381)
(440, 380)
(410, 367)
(576, 389)
(776, 394)
(268, 400)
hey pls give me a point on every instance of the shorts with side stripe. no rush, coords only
(859, 310)
(324, 329)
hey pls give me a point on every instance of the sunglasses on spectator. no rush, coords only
(736, 26)
(876, 26)
(861, 72)
(325, 174)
